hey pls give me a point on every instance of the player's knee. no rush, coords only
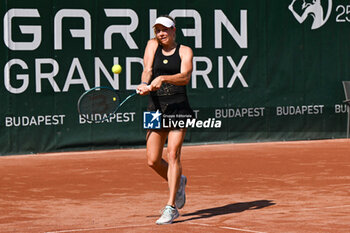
(173, 156)
(152, 163)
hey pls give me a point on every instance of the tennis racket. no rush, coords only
(100, 103)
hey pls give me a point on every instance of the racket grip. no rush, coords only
(148, 86)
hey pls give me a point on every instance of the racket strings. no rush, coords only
(99, 101)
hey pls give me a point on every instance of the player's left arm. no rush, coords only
(181, 78)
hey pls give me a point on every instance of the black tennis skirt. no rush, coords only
(171, 105)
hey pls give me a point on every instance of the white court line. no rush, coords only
(315, 208)
(199, 224)
(228, 228)
(101, 228)
(238, 229)
(142, 225)
(245, 230)
(327, 207)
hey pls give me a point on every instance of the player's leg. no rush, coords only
(175, 140)
(155, 144)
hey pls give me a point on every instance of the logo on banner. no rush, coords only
(310, 8)
(151, 120)
(157, 120)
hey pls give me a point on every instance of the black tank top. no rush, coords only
(167, 65)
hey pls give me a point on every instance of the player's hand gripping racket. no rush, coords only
(100, 103)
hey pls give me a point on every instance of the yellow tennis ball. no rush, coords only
(116, 69)
(114, 99)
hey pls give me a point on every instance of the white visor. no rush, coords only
(166, 22)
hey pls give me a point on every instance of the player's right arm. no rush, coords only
(147, 66)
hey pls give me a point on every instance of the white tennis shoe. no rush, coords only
(169, 214)
(180, 198)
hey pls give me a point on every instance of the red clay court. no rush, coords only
(299, 186)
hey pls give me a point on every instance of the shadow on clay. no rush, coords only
(226, 209)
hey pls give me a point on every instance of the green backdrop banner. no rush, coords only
(267, 70)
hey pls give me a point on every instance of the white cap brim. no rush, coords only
(166, 22)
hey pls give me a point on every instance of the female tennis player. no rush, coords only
(167, 71)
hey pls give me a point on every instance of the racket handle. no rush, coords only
(149, 88)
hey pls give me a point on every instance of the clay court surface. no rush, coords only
(262, 187)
